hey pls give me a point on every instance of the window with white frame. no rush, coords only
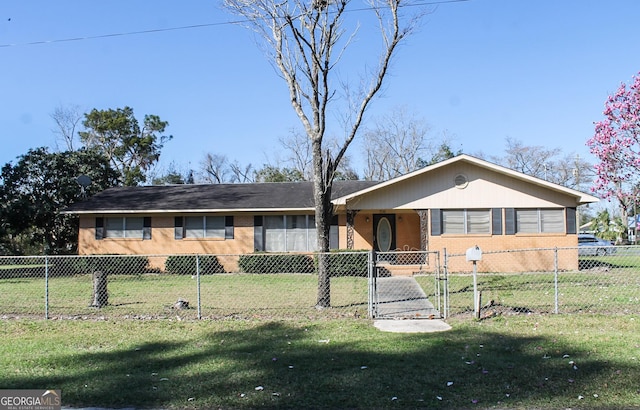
(124, 227)
(540, 221)
(466, 221)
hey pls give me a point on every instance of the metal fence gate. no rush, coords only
(408, 285)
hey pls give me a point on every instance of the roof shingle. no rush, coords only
(211, 197)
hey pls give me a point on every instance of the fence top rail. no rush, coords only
(4, 258)
(412, 252)
(567, 248)
(186, 255)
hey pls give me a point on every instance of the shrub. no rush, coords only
(123, 265)
(20, 267)
(276, 263)
(63, 266)
(187, 264)
(347, 263)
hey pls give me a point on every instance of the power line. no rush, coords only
(189, 27)
(128, 33)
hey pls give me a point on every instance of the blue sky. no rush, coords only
(538, 71)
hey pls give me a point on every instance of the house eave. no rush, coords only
(185, 211)
(581, 197)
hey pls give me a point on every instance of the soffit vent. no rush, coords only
(461, 181)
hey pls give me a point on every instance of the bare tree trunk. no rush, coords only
(323, 217)
(100, 293)
(304, 41)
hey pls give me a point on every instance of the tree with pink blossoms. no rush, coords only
(616, 144)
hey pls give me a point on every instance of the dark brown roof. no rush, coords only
(210, 197)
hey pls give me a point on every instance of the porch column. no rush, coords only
(351, 216)
(424, 229)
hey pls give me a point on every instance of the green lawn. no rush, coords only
(606, 288)
(152, 296)
(525, 361)
(614, 289)
(268, 347)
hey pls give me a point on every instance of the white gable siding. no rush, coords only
(486, 189)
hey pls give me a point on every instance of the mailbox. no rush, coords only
(474, 254)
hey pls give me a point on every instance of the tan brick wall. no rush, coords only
(363, 231)
(407, 231)
(408, 237)
(163, 241)
(509, 261)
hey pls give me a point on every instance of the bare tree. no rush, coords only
(217, 169)
(532, 160)
(300, 155)
(304, 41)
(214, 168)
(241, 173)
(398, 143)
(550, 164)
(67, 120)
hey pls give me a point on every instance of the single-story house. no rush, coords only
(454, 204)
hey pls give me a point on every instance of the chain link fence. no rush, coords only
(407, 285)
(354, 284)
(539, 281)
(183, 286)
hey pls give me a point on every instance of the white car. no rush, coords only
(590, 245)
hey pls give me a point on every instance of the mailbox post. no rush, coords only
(474, 254)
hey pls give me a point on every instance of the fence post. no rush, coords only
(372, 283)
(555, 279)
(445, 268)
(438, 286)
(198, 285)
(46, 287)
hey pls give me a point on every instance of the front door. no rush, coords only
(384, 232)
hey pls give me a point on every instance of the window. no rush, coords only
(204, 226)
(274, 238)
(540, 221)
(297, 232)
(466, 221)
(127, 227)
(285, 233)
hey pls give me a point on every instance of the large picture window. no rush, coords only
(289, 233)
(466, 221)
(540, 221)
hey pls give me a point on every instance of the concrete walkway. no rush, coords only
(404, 307)
(411, 325)
(401, 297)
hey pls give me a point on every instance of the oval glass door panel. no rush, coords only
(383, 234)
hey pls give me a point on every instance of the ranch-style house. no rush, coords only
(454, 204)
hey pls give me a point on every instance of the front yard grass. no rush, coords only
(509, 362)
(614, 290)
(153, 295)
